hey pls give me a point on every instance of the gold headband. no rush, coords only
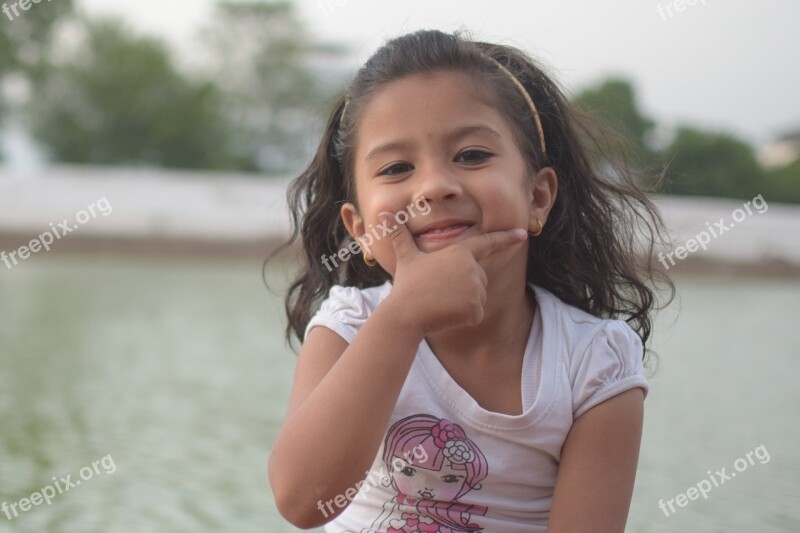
(344, 110)
(519, 87)
(528, 99)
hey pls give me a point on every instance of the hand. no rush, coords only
(446, 288)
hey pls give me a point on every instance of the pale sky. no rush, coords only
(718, 64)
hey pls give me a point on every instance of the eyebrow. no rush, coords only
(452, 136)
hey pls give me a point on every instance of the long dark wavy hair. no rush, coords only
(596, 252)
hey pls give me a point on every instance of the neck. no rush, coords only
(506, 324)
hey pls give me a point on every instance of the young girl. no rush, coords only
(473, 372)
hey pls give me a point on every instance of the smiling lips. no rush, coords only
(441, 232)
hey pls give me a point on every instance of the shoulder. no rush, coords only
(579, 328)
(346, 308)
(602, 357)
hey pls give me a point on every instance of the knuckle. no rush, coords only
(477, 316)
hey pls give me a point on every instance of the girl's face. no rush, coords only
(425, 484)
(432, 137)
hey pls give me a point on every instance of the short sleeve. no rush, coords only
(610, 364)
(346, 309)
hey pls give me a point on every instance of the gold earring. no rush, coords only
(368, 260)
(541, 228)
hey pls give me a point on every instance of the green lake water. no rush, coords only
(172, 377)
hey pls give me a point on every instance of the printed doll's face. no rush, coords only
(433, 137)
(422, 483)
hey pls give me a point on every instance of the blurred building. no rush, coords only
(155, 211)
(781, 151)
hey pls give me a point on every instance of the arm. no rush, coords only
(343, 396)
(598, 467)
(339, 408)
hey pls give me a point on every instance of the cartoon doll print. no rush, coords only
(431, 464)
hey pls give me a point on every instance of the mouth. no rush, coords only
(426, 494)
(443, 231)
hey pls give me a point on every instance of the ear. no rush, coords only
(353, 222)
(543, 196)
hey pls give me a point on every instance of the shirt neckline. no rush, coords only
(458, 399)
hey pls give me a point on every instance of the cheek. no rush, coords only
(503, 206)
(447, 491)
(406, 485)
(376, 204)
(504, 191)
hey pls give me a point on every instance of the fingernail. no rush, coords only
(520, 233)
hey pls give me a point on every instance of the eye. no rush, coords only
(475, 156)
(451, 478)
(394, 170)
(408, 471)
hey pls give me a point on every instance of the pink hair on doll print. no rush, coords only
(429, 486)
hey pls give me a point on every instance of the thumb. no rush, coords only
(402, 240)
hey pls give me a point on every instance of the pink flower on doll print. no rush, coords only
(447, 431)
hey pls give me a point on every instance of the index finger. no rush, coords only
(483, 245)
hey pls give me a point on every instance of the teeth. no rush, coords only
(443, 230)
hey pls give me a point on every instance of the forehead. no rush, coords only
(445, 468)
(424, 104)
(424, 89)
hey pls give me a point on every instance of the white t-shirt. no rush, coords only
(448, 465)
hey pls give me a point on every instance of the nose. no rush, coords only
(437, 183)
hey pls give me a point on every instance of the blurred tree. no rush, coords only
(782, 184)
(262, 59)
(614, 102)
(712, 164)
(116, 98)
(25, 41)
